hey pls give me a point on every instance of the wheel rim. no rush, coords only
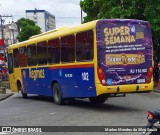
(20, 89)
(56, 95)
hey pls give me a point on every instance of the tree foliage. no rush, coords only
(27, 29)
(148, 10)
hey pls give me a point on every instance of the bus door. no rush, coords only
(11, 73)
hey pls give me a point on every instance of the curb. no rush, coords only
(6, 96)
(158, 91)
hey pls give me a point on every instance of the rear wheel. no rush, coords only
(97, 100)
(57, 95)
(24, 95)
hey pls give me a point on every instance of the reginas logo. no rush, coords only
(36, 74)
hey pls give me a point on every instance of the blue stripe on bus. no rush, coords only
(74, 82)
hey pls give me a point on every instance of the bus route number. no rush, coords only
(85, 76)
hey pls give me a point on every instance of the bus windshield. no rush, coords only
(124, 50)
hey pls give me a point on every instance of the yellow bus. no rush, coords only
(96, 60)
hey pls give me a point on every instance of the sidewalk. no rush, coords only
(155, 89)
(4, 96)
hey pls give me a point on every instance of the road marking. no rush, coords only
(52, 113)
(6, 133)
(3, 133)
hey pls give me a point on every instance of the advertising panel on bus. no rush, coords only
(124, 50)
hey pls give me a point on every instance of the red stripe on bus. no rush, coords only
(72, 66)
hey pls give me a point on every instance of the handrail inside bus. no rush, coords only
(54, 30)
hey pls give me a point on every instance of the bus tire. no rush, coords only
(57, 94)
(24, 95)
(97, 100)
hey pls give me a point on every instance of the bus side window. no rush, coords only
(10, 63)
(84, 46)
(68, 48)
(54, 51)
(22, 57)
(15, 58)
(31, 53)
(42, 53)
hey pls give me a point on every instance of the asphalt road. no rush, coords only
(41, 111)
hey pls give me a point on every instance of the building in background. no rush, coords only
(42, 18)
(10, 33)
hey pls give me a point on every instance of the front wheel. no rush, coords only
(57, 95)
(24, 95)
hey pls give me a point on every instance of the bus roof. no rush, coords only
(60, 32)
(48, 32)
(63, 31)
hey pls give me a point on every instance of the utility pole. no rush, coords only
(2, 32)
(81, 16)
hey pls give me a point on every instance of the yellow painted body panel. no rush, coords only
(13, 78)
(123, 88)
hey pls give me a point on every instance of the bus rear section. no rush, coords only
(124, 56)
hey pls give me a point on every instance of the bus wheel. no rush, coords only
(57, 95)
(97, 100)
(24, 95)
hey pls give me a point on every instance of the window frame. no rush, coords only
(72, 61)
(15, 59)
(36, 54)
(10, 63)
(46, 53)
(26, 56)
(92, 46)
(59, 59)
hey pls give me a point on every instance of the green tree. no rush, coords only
(27, 29)
(148, 10)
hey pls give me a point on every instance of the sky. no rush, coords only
(67, 12)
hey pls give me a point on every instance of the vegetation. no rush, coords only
(147, 10)
(27, 29)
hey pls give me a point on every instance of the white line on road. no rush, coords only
(3, 133)
(6, 133)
